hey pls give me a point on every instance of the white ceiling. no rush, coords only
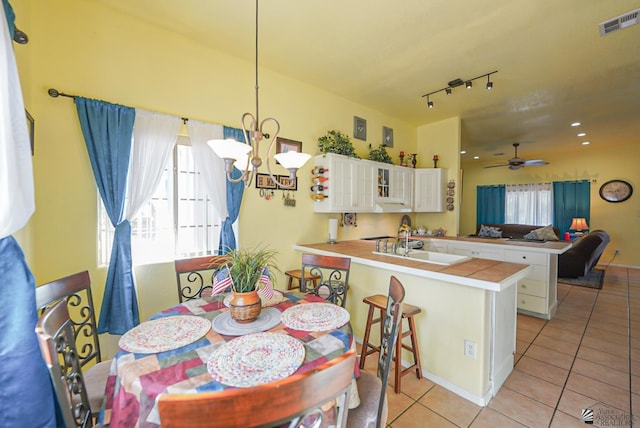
(553, 66)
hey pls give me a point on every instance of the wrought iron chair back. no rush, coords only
(76, 289)
(195, 276)
(372, 390)
(270, 404)
(333, 284)
(56, 335)
(393, 318)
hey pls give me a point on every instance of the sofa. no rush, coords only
(583, 255)
(515, 231)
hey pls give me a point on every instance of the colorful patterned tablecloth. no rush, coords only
(137, 379)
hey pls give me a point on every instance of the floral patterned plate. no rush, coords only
(164, 334)
(255, 359)
(315, 317)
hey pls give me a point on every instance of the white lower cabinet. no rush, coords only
(537, 292)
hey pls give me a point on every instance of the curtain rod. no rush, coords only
(54, 93)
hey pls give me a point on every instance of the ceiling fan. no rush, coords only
(517, 163)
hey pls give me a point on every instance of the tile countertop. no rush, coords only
(479, 273)
(553, 247)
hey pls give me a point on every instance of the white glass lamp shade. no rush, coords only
(241, 163)
(229, 149)
(292, 160)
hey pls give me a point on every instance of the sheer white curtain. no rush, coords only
(209, 166)
(529, 204)
(154, 135)
(16, 174)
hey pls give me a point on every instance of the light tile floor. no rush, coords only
(586, 357)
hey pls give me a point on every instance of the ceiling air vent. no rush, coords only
(619, 23)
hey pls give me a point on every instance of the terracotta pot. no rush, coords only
(245, 307)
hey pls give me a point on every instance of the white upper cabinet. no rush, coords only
(429, 190)
(394, 188)
(349, 186)
(358, 185)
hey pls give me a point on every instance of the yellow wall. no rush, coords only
(81, 48)
(443, 139)
(595, 162)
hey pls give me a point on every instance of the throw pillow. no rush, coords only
(531, 235)
(489, 231)
(546, 233)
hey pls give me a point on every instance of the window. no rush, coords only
(178, 221)
(529, 204)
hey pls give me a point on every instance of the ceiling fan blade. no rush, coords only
(495, 166)
(534, 162)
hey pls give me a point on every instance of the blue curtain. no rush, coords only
(26, 395)
(11, 17)
(490, 204)
(108, 130)
(234, 199)
(570, 199)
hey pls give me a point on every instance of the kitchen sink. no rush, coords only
(428, 257)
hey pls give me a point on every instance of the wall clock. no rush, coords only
(616, 191)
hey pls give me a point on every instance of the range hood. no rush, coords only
(392, 207)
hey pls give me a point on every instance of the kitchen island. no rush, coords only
(467, 327)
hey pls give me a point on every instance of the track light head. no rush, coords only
(489, 83)
(429, 102)
(448, 91)
(468, 84)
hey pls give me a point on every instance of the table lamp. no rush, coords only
(579, 224)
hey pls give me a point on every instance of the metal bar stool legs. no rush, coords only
(409, 311)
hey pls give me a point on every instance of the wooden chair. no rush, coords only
(195, 276)
(56, 335)
(333, 283)
(76, 290)
(291, 399)
(373, 408)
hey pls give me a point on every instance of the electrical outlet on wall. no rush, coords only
(470, 349)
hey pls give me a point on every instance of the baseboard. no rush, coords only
(476, 399)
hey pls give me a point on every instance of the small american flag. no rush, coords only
(221, 281)
(267, 290)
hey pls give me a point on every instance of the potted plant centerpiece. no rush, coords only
(246, 268)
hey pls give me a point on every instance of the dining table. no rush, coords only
(195, 347)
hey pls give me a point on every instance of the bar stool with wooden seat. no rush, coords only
(408, 312)
(297, 275)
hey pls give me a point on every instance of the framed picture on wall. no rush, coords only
(387, 136)
(264, 181)
(359, 128)
(284, 145)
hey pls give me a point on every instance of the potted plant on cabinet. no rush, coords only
(380, 154)
(337, 142)
(246, 268)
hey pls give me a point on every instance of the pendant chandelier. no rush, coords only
(245, 156)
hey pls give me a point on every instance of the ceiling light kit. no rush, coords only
(459, 82)
(245, 156)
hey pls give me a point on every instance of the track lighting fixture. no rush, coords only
(489, 83)
(459, 82)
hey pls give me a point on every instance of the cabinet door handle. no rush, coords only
(524, 285)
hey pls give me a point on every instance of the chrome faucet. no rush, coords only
(406, 243)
